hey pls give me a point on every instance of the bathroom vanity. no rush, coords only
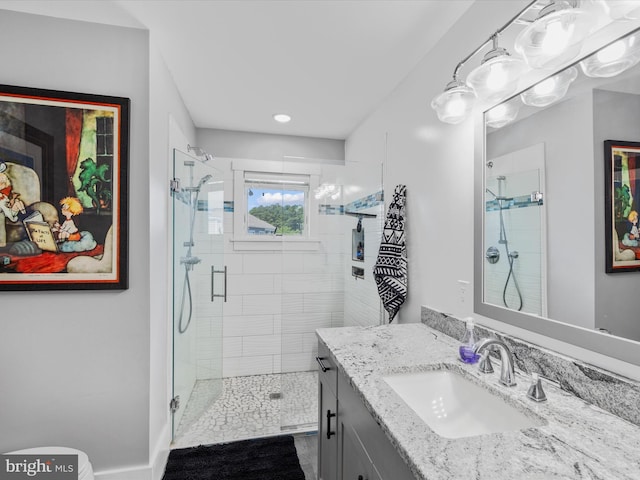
(349, 439)
(368, 432)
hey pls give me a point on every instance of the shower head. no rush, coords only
(200, 152)
(196, 189)
(203, 180)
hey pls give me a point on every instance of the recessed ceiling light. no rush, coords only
(281, 117)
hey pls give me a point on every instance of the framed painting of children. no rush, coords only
(622, 205)
(63, 190)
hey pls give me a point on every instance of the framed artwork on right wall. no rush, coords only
(622, 206)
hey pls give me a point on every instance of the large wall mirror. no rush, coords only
(541, 229)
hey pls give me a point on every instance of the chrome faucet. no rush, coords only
(507, 373)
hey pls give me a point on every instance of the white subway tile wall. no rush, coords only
(277, 299)
(522, 230)
(363, 306)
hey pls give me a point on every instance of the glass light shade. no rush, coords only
(613, 59)
(555, 38)
(454, 104)
(497, 77)
(624, 9)
(502, 114)
(550, 90)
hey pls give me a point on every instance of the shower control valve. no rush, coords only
(492, 255)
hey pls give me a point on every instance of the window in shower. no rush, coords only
(273, 202)
(277, 205)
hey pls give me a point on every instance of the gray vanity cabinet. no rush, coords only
(327, 415)
(356, 464)
(359, 450)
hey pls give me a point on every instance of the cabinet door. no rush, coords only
(357, 421)
(327, 415)
(356, 464)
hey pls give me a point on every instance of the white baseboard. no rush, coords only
(153, 471)
(142, 472)
(161, 452)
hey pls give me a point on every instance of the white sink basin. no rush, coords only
(454, 407)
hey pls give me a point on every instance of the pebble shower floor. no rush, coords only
(247, 409)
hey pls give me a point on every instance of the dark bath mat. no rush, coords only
(273, 458)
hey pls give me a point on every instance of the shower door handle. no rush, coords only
(213, 294)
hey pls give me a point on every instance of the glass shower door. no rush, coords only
(199, 288)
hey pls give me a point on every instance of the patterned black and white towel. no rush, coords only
(390, 269)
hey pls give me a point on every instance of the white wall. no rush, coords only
(233, 144)
(75, 366)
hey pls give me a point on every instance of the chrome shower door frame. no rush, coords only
(197, 192)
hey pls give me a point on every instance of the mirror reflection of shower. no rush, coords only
(514, 224)
(492, 255)
(189, 260)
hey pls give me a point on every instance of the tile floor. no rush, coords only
(248, 408)
(307, 448)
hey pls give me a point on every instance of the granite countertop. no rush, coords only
(578, 441)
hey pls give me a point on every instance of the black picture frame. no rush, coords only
(622, 206)
(64, 213)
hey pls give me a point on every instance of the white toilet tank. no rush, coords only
(85, 470)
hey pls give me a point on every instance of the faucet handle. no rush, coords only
(485, 365)
(535, 392)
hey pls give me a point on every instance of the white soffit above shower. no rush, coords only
(327, 63)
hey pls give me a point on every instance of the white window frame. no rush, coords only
(242, 240)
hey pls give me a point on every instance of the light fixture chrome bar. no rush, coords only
(513, 20)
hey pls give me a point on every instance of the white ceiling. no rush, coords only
(327, 63)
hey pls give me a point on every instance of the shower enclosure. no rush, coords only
(199, 287)
(245, 358)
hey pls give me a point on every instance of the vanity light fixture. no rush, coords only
(613, 59)
(456, 102)
(503, 114)
(281, 117)
(625, 10)
(550, 39)
(498, 74)
(556, 36)
(550, 90)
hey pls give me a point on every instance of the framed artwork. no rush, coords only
(622, 205)
(63, 190)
